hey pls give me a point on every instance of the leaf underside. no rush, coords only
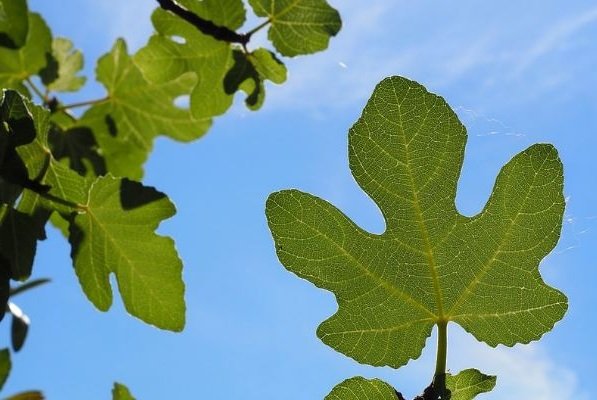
(431, 264)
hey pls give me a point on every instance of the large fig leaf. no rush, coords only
(136, 111)
(431, 265)
(299, 26)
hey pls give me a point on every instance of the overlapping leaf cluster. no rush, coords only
(58, 166)
(80, 171)
(432, 266)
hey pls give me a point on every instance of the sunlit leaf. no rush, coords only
(135, 112)
(299, 26)
(115, 234)
(17, 65)
(60, 74)
(121, 392)
(431, 265)
(359, 388)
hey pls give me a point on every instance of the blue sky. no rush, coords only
(515, 73)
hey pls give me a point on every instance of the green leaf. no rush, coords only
(18, 65)
(432, 264)
(60, 74)
(164, 59)
(359, 388)
(19, 327)
(121, 392)
(115, 234)
(19, 233)
(28, 395)
(5, 366)
(135, 112)
(467, 384)
(14, 23)
(268, 65)
(299, 26)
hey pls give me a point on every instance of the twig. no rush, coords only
(206, 27)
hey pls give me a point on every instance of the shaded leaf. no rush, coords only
(135, 112)
(28, 395)
(14, 23)
(431, 264)
(359, 388)
(19, 326)
(121, 392)
(17, 65)
(299, 26)
(19, 233)
(115, 234)
(4, 287)
(5, 366)
(64, 63)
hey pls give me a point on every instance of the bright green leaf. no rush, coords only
(5, 366)
(299, 26)
(18, 65)
(60, 74)
(14, 23)
(268, 66)
(431, 264)
(467, 384)
(115, 234)
(121, 392)
(359, 388)
(165, 58)
(135, 112)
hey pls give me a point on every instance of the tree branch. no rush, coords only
(206, 27)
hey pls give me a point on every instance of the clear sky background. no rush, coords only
(516, 73)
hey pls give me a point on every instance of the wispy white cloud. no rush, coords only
(556, 37)
(524, 372)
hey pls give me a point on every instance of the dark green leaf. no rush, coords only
(299, 26)
(14, 23)
(5, 366)
(115, 234)
(29, 395)
(19, 327)
(431, 264)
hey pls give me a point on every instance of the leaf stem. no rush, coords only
(81, 104)
(37, 91)
(28, 285)
(258, 28)
(442, 348)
